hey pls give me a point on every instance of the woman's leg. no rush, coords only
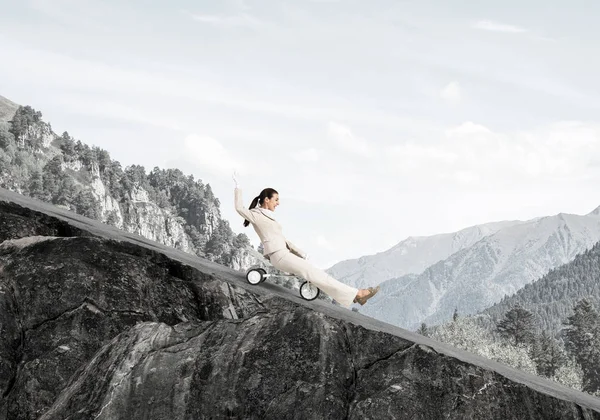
(288, 262)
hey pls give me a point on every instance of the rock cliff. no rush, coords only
(99, 323)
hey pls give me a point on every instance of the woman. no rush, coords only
(286, 256)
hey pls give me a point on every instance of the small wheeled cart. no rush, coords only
(255, 276)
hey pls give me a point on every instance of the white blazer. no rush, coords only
(266, 227)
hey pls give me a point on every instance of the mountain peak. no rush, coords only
(595, 212)
(412, 255)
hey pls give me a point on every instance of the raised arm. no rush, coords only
(240, 208)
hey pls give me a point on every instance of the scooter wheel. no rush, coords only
(309, 291)
(255, 275)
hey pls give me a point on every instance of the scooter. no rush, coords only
(255, 276)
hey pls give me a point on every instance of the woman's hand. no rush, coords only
(235, 177)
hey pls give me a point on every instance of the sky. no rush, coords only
(374, 120)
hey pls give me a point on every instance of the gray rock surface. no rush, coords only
(101, 324)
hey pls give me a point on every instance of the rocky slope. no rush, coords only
(411, 256)
(7, 109)
(479, 276)
(105, 324)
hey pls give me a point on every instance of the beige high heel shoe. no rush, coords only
(363, 300)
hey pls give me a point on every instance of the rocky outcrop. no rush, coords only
(109, 207)
(99, 323)
(40, 134)
(141, 216)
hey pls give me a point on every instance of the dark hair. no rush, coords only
(266, 193)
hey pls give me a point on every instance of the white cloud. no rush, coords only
(230, 21)
(117, 111)
(86, 14)
(467, 128)
(97, 78)
(488, 25)
(473, 155)
(466, 177)
(324, 243)
(311, 155)
(209, 154)
(343, 137)
(408, 157)
(451, 93)
(337, 181)
(559, 151)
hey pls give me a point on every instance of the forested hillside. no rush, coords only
(552, 297)
(550, 327)
(162, 204)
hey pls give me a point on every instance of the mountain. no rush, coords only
(100, 323)
(7, 109)
(474, 278)
(552, 297)
(411, 256)
(163, 205)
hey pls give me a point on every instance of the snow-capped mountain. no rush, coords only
(411, 256)
(480, 275)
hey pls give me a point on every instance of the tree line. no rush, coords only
(572, 356)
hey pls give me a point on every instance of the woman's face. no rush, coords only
(271, 203)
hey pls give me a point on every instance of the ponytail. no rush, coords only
(252, 205)
(266, 193)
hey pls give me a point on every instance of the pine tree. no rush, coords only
(6, 138)
(582, 340)
(455, 315)
(517, 325)
(36, 185)
(23, 119)
(423, 330)
(67, 146)
(112, 218)
(217, 246)
(86, 204)
(66, 191)
(547, 355)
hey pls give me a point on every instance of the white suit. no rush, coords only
(286, 256)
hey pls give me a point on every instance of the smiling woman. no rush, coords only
(286, 256)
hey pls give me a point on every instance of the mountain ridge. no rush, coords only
(476, 277)
(411, 255)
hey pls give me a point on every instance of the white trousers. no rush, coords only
(284, 260)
